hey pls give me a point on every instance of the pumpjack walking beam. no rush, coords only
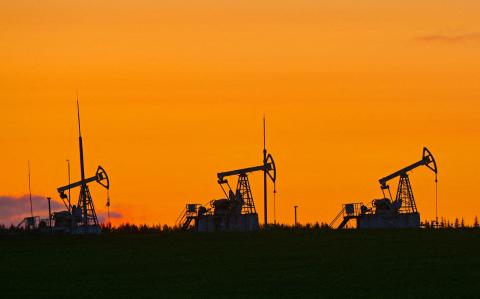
(101, 178)
(427, 159)
(404, 196)
(269, 168)
(222, 175)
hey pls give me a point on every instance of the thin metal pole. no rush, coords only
(274, 208)
(49, 214)
(108, 207)
(69, 194)
(436, 200)
(265, 208)
(30, 190)
(295, 208)
(83, 191)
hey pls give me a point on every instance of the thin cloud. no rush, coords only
(14, 208)
(450, 38)
(103, 216)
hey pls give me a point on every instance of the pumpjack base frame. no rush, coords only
(379, 221)
(224, 223)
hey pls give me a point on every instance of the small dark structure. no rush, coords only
(386, 212)
(31, 223)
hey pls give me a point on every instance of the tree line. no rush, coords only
(458, 223)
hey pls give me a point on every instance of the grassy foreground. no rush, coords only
(290, 264)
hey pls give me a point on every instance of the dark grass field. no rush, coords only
(301, 264)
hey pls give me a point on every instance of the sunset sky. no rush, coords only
(172, 92)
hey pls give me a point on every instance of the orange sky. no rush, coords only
(174, 91)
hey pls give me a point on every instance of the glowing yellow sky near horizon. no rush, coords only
(174, 91)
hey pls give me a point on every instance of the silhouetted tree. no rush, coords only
(449, 225)
(457, 223)
(475, 222)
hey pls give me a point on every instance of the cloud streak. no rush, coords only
(14, 208)
(451, 38)
(103, 216)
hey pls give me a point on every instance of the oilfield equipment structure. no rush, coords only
(387, 212)
(81, 218)
(32, 222)
(76, 219)
(235, 212)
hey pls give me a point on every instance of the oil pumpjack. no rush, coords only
(235, 212)
(387, 212)
(81, 218)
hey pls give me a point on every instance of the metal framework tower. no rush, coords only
(243, 188)
(243, 184)
(85, 199)
(405, 195)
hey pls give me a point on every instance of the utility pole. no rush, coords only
(69, 194)
(274, 208)
(30, 190)
(49, 214)
(295, 208)
(436, 200)
(265, 174)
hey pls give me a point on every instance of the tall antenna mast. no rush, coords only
(78, 117)
(30, 190)
(83, 191)
(265, 210)
(264, 135)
